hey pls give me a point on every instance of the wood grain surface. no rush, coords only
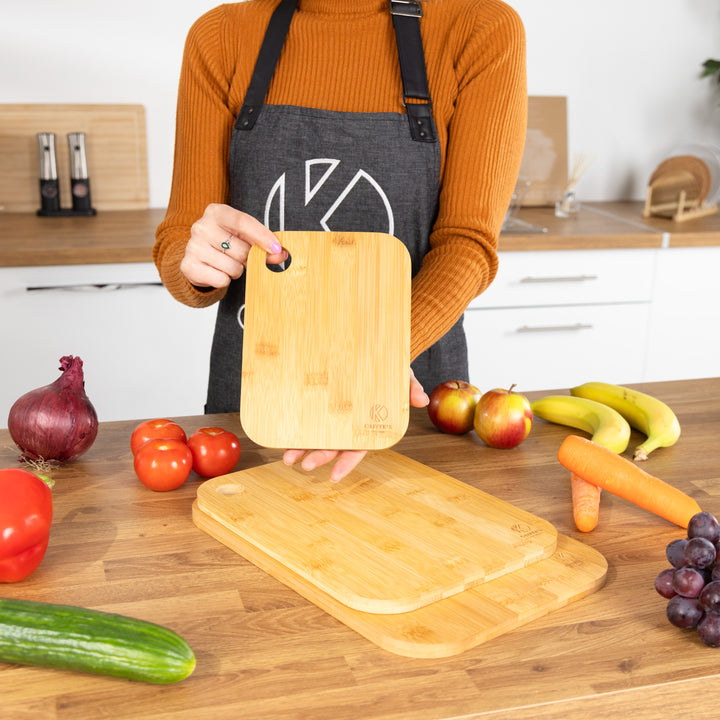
(116, 145)
(111, 236)
(392, 536)
(129, 235)
(265, 652)
(454, 624)
(327, 342)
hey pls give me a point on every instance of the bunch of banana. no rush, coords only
(644, 412)
(607, 426)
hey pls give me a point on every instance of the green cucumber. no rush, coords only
(74, 638)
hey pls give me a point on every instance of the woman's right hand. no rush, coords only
(220, 243)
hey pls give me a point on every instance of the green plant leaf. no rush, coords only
(711, 67)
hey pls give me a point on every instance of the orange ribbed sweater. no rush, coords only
(341, 55)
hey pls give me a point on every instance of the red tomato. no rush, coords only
(160, 428)
(215, 451)
(163, 464)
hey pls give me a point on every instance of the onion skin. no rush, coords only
(56, 423)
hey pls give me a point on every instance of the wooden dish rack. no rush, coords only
(678, 189)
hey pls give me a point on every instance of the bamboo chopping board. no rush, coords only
(457, 623)
(393, 536)
(326, 349)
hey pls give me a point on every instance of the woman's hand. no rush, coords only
(347, 460)
(219, 244)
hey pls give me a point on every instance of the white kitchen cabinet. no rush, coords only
(684, 338)
(557, 347)
(144, 354)
(553, 319)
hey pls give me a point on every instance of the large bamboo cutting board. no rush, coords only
(457, 623)
(391, 537)
(326, 350)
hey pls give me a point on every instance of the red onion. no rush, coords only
(56, 423)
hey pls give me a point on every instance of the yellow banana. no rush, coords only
(644, 412)
(607, 427)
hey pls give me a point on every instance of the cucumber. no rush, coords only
(74, 638)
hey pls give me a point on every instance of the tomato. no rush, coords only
(160, 428)
(163, 464)
(215, 451)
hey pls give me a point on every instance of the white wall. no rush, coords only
(628, 67)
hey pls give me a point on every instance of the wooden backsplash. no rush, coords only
(116, 146)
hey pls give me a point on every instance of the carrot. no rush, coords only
(586, 503)
(614, 473)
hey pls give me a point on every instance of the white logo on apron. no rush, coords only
(277, 194)
(276, 197)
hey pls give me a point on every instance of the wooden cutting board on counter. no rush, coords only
(326, 350)
(393, 536)
(460, 622)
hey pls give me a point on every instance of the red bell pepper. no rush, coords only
(25, 519)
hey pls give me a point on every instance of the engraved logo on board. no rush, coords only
(378, 415)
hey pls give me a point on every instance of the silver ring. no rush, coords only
(225, 244)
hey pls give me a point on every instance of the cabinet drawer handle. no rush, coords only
(554, 328)
(92, 287)
(560, 278)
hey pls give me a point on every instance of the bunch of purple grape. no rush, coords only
(692, 584)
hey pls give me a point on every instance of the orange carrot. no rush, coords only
(586, 503)
(614, 473)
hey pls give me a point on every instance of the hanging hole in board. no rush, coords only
(281, 267)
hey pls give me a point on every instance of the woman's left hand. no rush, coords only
(347, 460)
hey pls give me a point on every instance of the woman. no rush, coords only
(400, 117)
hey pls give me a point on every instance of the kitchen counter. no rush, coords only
(111, 236)
(128, 235)
(263, 652)
(608, 225)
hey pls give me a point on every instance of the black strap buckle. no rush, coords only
(406, 8)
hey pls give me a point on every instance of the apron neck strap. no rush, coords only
(267, 59)
(406, 16)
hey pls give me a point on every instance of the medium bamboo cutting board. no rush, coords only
(391, 537)
(455, 624)
(326, 350)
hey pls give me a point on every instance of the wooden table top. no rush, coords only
(128, 235)
(263, 652)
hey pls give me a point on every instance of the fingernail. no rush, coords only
(276, 248)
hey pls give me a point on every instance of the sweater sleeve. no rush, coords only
(485, 142)
(202, 138)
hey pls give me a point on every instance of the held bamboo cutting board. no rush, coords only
(455, 624)
(391, 537)
(326, 356)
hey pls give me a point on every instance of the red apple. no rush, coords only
(452, 406)
(503, 418)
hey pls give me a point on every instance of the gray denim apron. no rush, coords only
(298, 168)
